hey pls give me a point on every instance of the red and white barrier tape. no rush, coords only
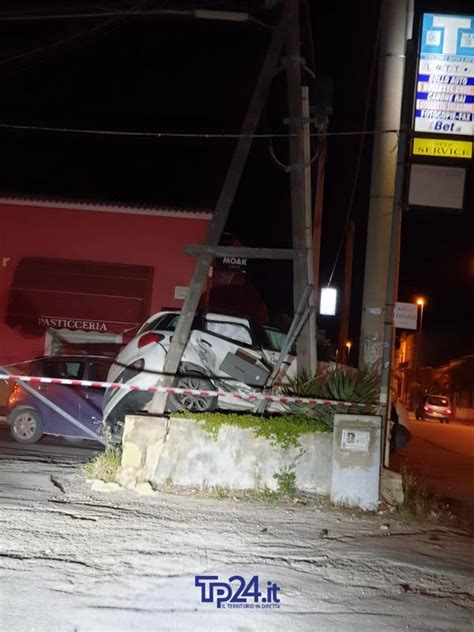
(251, 397)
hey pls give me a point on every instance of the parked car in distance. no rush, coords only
(435, 407)
(224, 352)
(30, 419)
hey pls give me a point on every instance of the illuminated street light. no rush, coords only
(348, 347)
(421, 302)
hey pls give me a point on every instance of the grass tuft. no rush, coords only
(420, 503)
(104, 466)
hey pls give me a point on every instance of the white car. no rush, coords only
(223, 353)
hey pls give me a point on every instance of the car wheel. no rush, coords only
(26, 425)
(193, 403)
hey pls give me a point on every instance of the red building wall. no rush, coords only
(98, 236)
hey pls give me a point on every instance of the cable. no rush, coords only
(67, 40)
(361, 147)
(92, 14)
(202, 135)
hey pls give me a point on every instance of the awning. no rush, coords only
(78, 295)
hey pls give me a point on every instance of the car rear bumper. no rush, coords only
(435, 417)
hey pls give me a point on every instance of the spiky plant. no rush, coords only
(336, 382)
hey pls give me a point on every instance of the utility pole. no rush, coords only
(297, 177)
(308, 229)
(346, 297)
(385, 200)
(226, 197)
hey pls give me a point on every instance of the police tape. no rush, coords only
(251, 397)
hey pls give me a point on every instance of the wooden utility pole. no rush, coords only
(297, 175)
(318, 214)
(346, 296)
(224, 203)
(308, 229)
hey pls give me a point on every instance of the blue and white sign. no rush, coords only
(445, 82)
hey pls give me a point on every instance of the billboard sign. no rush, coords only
(445, 81)
(437, 187)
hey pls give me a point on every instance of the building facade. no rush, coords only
(88, 274)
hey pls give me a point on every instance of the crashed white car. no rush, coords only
(224, 353)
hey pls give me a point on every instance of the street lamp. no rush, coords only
(348, 347)
(421, 302)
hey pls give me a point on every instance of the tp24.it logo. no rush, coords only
(236, 592)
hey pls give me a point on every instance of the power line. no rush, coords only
(117, 17)
(201, 135)
(43, 17)
(361, 147)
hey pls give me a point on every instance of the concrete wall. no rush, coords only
(180, 452)
(356, 460)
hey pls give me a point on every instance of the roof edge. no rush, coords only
(108, 207)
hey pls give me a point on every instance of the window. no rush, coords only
(166, 322)
(274, 339)
(437, 401)
(69, 369)
(98, 371)
(232, 331)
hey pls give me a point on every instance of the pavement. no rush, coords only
(72, 559)
(441, 456)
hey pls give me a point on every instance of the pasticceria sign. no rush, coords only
(442, 148)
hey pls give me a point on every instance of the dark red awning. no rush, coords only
(75, 295)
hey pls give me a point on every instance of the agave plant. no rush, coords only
(336, 382)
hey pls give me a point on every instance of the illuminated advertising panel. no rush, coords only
(442, 148)
(445, 81)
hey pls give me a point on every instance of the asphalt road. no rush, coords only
(442, 458)
(48, 449)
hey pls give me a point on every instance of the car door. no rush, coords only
(91, 408)
(68, 398)
(227, 349)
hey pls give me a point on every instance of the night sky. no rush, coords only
(182, 75)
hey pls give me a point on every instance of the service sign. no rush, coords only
(445, 82)
(442, 148)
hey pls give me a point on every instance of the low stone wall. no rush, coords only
(180, 452)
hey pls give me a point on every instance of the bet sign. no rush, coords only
(445, 81)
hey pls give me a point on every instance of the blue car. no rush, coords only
(30, 419)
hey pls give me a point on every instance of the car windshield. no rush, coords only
(437, 401)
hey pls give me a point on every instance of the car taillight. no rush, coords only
(425, 407)
(14, 392)
(149, 338)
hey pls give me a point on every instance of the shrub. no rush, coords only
(336, 382)
(284, 430)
